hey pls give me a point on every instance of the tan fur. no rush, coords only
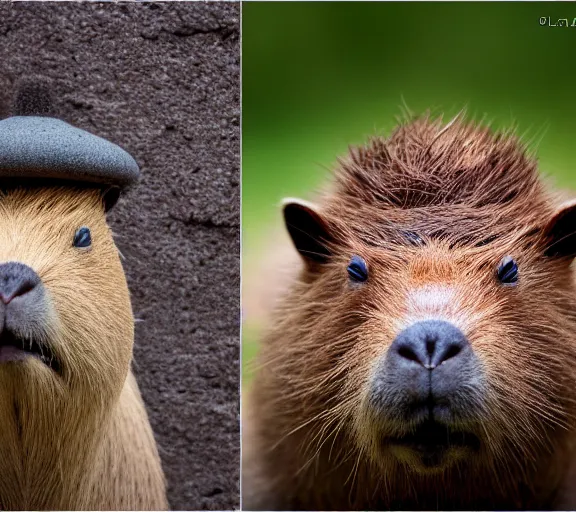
(80, 441)
(473, 197)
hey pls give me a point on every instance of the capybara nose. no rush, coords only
(16, 279)
(428, 343)
(429, 371)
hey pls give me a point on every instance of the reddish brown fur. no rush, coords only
(473, 197)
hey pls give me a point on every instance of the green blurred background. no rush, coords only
(318, 76)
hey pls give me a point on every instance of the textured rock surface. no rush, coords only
(162, 81)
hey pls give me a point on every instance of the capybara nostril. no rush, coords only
(428, 343)
(16, 279)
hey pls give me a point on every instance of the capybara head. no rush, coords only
(65, 317)
(433, 326)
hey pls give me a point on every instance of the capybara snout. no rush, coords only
(429, 344)
(428, 368)
(428, 381)
(24, 316)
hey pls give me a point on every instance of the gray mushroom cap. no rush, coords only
(48, 148)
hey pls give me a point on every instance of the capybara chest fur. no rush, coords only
(424, 356)
(74, 433)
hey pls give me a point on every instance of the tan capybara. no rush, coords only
(74, 433)
(425, 356)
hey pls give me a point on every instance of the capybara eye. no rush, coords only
(82, 237)
(357, 269)
(508, 271)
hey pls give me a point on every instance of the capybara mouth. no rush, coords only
(432, 441)
(13, 348)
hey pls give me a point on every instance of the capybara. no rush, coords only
(74, 433)
(425, 355)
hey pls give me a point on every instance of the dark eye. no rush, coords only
(357, 269)
(82, 238)
(507, 271)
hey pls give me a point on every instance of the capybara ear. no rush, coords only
(308, 230)
(561, 231)
(110, 197)
(33, 97)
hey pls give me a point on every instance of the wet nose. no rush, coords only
(429, 343)
(16, 279)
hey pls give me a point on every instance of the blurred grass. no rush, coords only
(318, 76)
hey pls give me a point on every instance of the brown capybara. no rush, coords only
(74, 433)
(425, 357)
